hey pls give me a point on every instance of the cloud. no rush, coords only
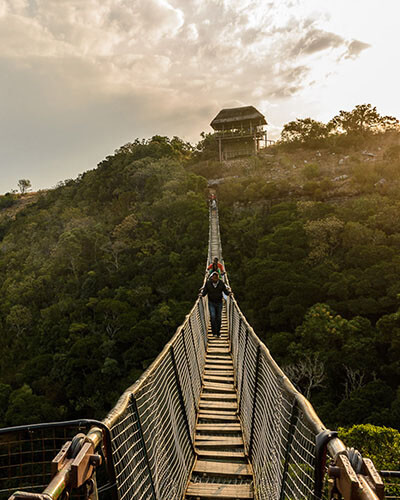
(153, 65)
(354, 49)
(317, 40)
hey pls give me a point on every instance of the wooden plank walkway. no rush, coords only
(222, 469)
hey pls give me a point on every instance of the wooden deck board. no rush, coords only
(219, 405)
(210, 386)
(219, 363)
(218, 396)
(219, 427)
(210, 440)
(222, 468)
(238, 455)
(219, 373)
(217, 490)
(216, 378)
(222, 417)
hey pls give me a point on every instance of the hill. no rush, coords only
(312, 238)
(96, 275)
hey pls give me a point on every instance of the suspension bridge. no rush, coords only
(210, 418)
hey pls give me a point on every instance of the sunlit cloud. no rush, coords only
(163, 66)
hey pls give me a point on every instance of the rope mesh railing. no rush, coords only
(280, 438)
(152, 436)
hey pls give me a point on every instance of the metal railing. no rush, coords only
(147, 440)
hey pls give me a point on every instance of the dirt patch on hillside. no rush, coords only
(22, 202)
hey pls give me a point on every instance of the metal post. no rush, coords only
(256, 384)
(243, 362)
(194, 348)
(181, 399)
(231, 336)
(143, 443)
(203, 321)
(292, 426)
(188, 364)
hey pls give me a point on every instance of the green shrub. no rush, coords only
(393, 153)
(7, 200)
(311, 171)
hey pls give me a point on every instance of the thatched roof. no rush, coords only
(236, 115)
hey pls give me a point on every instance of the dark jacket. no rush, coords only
(215, 293)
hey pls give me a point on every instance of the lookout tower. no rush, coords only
(239, 131)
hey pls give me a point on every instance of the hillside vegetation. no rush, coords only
(311, 237)
(97, 274)
(94, 279)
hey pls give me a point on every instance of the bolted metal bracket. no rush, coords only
(26, 495)
(365, 485)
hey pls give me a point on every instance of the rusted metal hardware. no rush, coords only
(347, 484)
(72, 467)
(81, 461)
(321, 448)
(22, 495)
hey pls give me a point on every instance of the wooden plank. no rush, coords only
(217, 490)
(216, 396)
(218, 357)
(222, 468)
(223, 362)
(217, 411)
(219, 405)
(214, 441)
(226, 370)
(210, 386)
(216, 378)
(222, 417)
(218, 370)
(230, 455)
(219, 362)
(219, 373)
(218, 428)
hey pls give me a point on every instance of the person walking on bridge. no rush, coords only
(216, 266)
(215, 288)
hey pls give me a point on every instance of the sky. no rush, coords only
(80, 78)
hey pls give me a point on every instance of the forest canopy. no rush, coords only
(94, 280)
(98, 273)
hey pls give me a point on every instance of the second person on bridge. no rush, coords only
(215, 288)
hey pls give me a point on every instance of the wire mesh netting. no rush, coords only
(152, 440)
(26, 454)
(279, 437)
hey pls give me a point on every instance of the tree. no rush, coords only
(324, 237)
(304, 130)
(24, 185)
(307, 374)
(19, 318)
(380, 444)
(207, 148)
(363, 118)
